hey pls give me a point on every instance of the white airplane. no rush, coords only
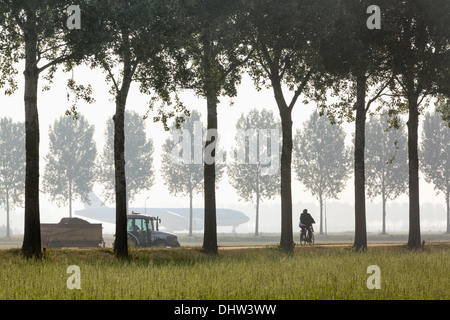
(173, 219)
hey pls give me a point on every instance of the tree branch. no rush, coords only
(54, 62)
(269, 61)
(378, 94)
(235, 65)
(300, 89)
(108, 69)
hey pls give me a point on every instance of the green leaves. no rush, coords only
(322, 162)
(79, 92)
(444, 110)
(12, 163)
(214, 45)
(70, 162)
(435, 152)
(138, 155)
(385, 158)
(253, 141)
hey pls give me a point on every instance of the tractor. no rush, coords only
(143, 231)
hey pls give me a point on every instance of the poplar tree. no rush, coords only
(417, 40)
(359, 70)
(139, 171)
(40, 34)
(385, 161)
(435, 156)
(285, 37)
(182, 170)
(322, 161)
(12, 166)
(258, 176)
(138, 45)
(216, 57)
(70, 162)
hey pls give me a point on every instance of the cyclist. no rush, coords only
(306, 222)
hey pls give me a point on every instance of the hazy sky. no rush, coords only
(53, 103)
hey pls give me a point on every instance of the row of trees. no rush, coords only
(72, 166)
(321, 160)
(72, 163)
(313, 48)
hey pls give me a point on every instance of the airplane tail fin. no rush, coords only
(95, 201)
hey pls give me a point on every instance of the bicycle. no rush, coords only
(305, 234)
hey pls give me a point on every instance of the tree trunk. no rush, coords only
(360, 189)
(70, 198)
(8, 235)
(257, 210)
(258, 172)
(210, 224)
(383, 197)
(448, 210)
(190, 212)
(120, 243)
(209, 180)
(384, 216)
(321, 214)
(414, 241)
(31, 246)
(287, 238)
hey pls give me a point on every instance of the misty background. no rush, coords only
(339, 213)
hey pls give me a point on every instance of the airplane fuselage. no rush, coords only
(173, 219)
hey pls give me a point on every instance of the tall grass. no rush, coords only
(308, 273)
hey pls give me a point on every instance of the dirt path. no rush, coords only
(378, 244)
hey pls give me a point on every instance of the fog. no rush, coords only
(339, 212)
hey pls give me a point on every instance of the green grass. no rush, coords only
(266, 273)
(274, 238)
(248, 239)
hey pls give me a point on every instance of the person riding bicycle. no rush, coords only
(306, 222)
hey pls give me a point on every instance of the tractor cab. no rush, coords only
(143, 231)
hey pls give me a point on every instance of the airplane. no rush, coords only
(173, 219)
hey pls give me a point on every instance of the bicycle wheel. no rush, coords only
(303, 238)
(312, 239)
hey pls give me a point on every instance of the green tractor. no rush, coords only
(143, 231)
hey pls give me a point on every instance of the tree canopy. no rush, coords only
(12, 166)
(386, 160)
(284, 37)
(337, 53)
(435, 156)
(70, 162)
(139, 150)
(322, 161)
(35, 32)
(182, 170)
(255, 170)
(417, 41)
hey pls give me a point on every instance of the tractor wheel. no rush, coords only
(132, 243)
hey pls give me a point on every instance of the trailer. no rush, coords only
(71, 233)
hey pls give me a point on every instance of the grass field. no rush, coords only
(267, 239)
(226, 239)
(263, 273)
